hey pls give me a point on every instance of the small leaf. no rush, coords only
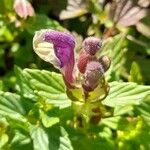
(122, 94)
(135, 74)
(49, 120)
(111, 122)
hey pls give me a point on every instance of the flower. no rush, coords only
(83, 77)
(57, 48)
(23, 8)
(93, 74)
(89, 48)
(83, 59)
(91, 45)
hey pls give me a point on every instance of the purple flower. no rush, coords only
(89, 48)
(57, 48)
(82, 78)
(83, 59)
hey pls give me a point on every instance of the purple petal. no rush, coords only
(63, 45)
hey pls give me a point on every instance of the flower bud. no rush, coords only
(94, 72)
(91, 45)
(105, 61)
(84, 58)
(23, 8)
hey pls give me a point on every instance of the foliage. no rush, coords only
(35, 112)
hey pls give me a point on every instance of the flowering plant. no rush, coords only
(92, 89)
(83, 76)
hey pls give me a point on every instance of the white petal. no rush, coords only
(45, 50)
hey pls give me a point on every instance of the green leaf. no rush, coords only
(111, 122)
(3, 140)
(54, 138)
(11, 106)
(122, 94)
(1, 85)
(49, 120)
(135, 74)
(58, 139)
(20, 141)
(114, 48)
(87, 143)
(44, 85)
(120, 110)
(39, 137)
(144, 110)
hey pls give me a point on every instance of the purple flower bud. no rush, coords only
(23, 8)
(57, 48)
(84, 58)
(91, 45)
(94, 72)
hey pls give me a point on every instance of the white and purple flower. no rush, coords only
(57, 48)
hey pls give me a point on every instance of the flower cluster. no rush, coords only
(84, 75)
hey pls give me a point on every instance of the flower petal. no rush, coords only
(23, 8)
(63, 44)
(44, 49)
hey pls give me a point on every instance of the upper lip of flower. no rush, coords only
(56, 37)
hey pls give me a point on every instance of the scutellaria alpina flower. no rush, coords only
(23, 8)
(57, 48)
(82, 77)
